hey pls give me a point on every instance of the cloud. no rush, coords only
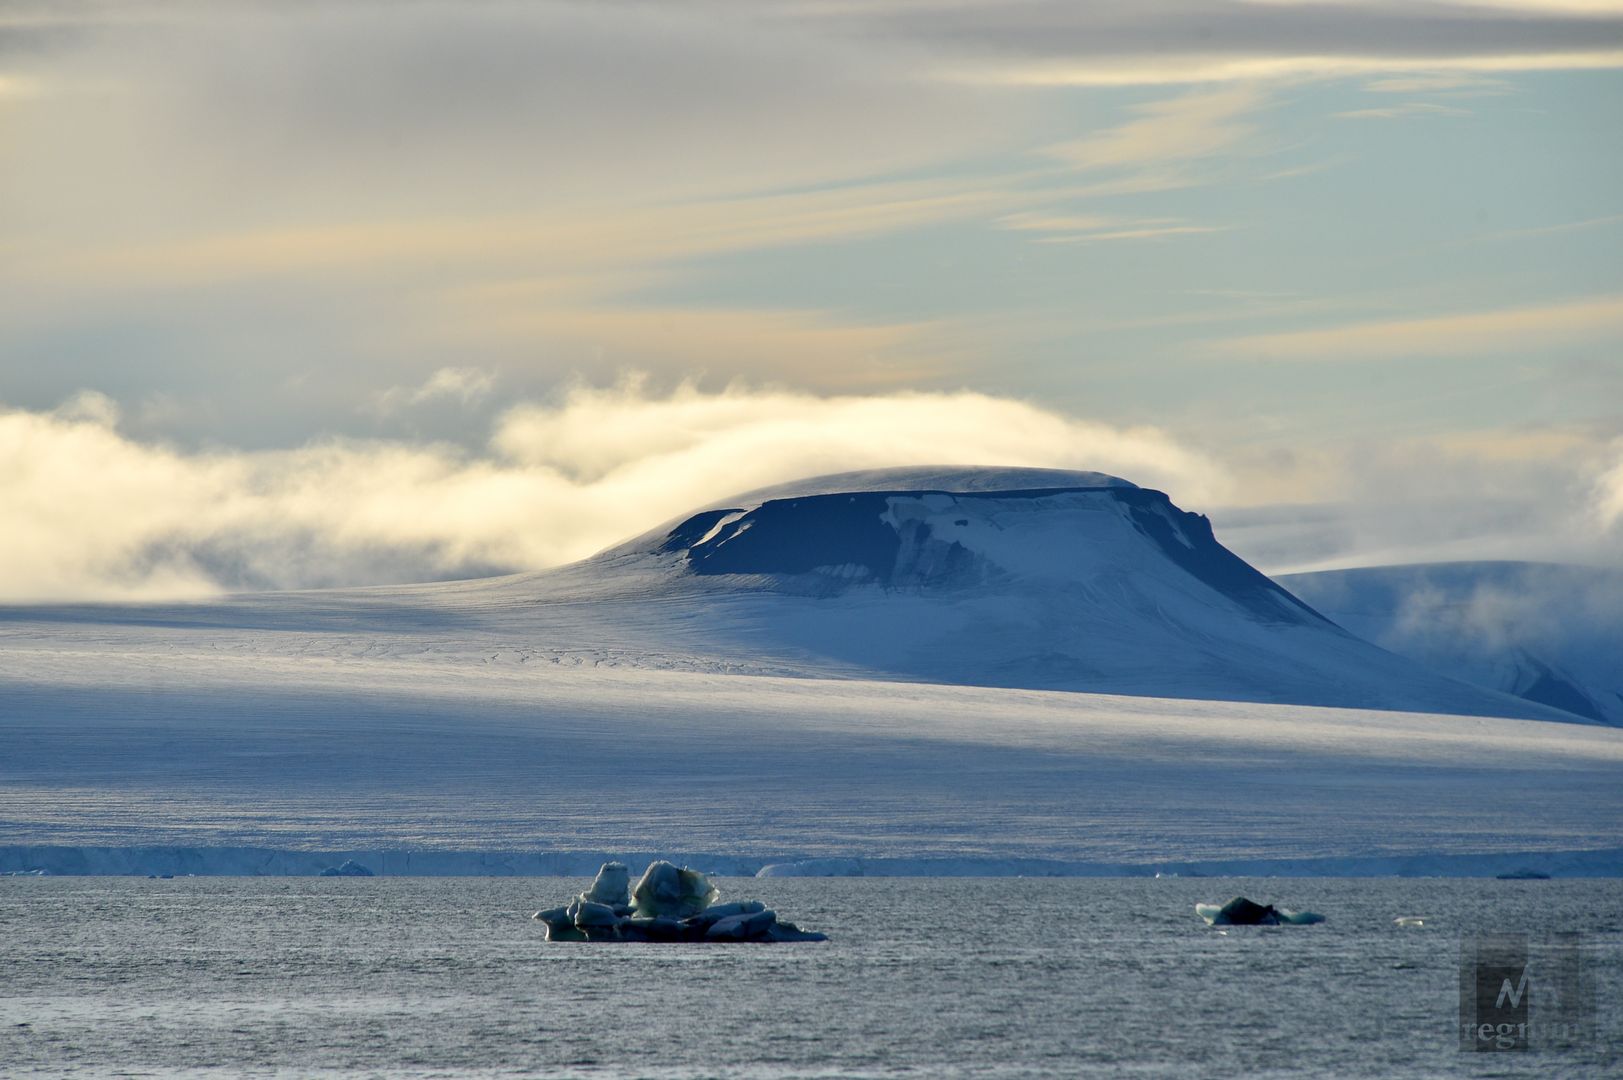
(817, 349)
(1452, 83)
(1057, 43)
(1085, 229)
(1154, 229)
(1404, 111)
(1551, 493)
(462, 384)
(1585, 225)
(1179, 129)
(95, 514)
(1532, 326)
(1608, 494)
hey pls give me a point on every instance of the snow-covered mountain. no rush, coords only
(1546, 632)
(984, 670)
(997, 577)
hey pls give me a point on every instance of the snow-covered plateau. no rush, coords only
(914, 671)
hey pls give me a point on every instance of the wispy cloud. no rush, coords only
(1609, 221)
(463, 384)
(1589, 319)
(816, 349)
(1518, 493)
(1452, 83)
(1308, 169)
(1179, 129)
(1404, 111)
(1609, 490)
(1083, 229)
(1156, 229)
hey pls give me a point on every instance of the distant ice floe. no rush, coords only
(350, 868)
(667, 904)
(814, 868)
(1245, 912)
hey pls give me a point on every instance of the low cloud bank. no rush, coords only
(1553, 495)
(93, 514)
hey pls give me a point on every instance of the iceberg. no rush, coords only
(611, 886)
(1242, 911)
(669, 903)
(667, 891)
(351, 868)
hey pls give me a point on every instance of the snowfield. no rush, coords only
(631, 706)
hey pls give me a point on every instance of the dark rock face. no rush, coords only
(1548, 688)
(1198, 552)
(796, 536)
(850, 532)
(694, 529)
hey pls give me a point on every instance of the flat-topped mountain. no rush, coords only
(1035, 578)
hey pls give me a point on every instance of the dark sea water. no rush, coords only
(924, 977)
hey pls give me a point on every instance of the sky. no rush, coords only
(304, 294)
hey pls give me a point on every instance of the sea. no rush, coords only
(925, 977)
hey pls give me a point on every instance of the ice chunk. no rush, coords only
(668, 904)
(672, 892)
(1245, 912)
(661, 929)
(612, 886)
(560, 924)
(351, 868)
(813, 868)
(1298, 918)
(742, 927)
(788, 931)
(588, 913)
(716, 912)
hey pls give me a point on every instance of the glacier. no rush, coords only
(969, 671)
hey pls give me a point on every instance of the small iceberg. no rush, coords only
(1244, 912)
(351, 868)
(669, 903)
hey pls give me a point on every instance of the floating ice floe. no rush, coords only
(351, 868)
(667, 904)
(1243, 912)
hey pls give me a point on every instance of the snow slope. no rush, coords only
(1549, 633)
(710, 691)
